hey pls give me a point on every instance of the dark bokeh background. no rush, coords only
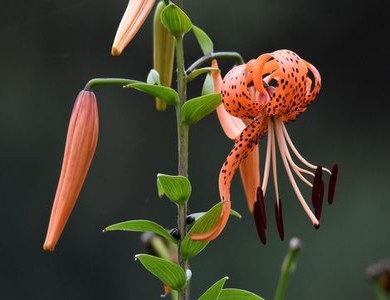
(50, 49)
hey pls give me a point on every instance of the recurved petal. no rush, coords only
(232, 126)
(250, 176)
(244, 144)
(80, 147)
(132, 20)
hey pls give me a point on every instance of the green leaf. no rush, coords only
(233, 213)
(197, 108)
(189, 247)
(201, 71)
(169, 95)
(142, 226)
(153, 77)
(234, 294)
(205, 43)
(213, 292)
(175, 20)
(168, 272)
(208, 85)
(176, 188)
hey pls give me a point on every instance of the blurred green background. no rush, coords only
(50, 49)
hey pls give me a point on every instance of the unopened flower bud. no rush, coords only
(132, 20)
(163, 53)
(80, 147)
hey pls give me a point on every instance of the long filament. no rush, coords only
(282, 147)
(267, 156)
(274, 169)
(298, 155)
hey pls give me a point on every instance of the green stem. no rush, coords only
(207, 58)
(288, 267)
(107, 81)
(182, 133)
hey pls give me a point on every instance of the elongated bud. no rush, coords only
(163, 53)
(80, 147)
(132, 20)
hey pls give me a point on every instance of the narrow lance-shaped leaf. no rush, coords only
(189, 247)
(214, 291)
(175, 20)
(205, 43)
(234, 294)
(176, 188)
(168, 272)
(141, 226)
(197, 108)
(169, 95)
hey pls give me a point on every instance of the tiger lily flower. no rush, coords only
(132, 20)
(80, 147)
(266, 93)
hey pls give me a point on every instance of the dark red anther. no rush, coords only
(316, 187)
(279, 218)
(260, 199)
(259, 223)
(320, 200)
(332, 183)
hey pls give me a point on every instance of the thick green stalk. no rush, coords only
(182, 133)
(288, 267)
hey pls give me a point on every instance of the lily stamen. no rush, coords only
(270, 141)
(273, 157)
(297, 154)
(282, 146)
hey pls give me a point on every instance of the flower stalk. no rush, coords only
(107, 81)
(215, 55)
(288, 267)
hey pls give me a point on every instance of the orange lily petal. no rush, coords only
(250, 176)
(237, 98)
(80, 147)
(232, 126)
(132, 20)
(244, 144)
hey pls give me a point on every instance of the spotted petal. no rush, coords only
(243, 145)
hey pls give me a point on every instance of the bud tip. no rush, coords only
(115, 51)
